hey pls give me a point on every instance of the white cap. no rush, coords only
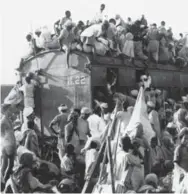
(134, 93)
(130, 108)
(68, 23)
(169, 110)
(62, 107)
(157, 91)
(18, 136)
(85, 110)
(151, 104)
(170, 100)
(104, 105)
(185, 98)
(143, 77)
(28, 111)
(171, 125)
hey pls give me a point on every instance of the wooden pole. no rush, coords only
(117, 141)
(102, 166)
(111, 164)
(86, 188)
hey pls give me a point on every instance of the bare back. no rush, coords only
(8, 141)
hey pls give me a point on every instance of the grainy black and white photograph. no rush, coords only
(94, 96)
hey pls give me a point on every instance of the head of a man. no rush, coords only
(85, 112)
(104, 108)
(102, 7)
(30, 124)
(69, 149)
(5, 109)
(126, 143)
(38, 33)
(28, 79)
(139, 130)
(185, 104)
(62, 108)
(183, 135)
(154, 142)
(112, 21)
(125, 105)
(73, 116)
(154, 25)
(27, 160)
(29, 114)
(29, 37)
(105, 26)
(163, 23)
(117, 16)
(151, 179)
(68, 14)
(150, 106)
(166, 141)
(93, 145)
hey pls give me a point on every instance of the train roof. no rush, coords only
(117, 61)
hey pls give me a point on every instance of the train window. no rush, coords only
(112, 76)
(138, 74)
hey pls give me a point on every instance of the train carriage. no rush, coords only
(73, 80)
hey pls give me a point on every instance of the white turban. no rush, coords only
(85, 110)
(28, 111)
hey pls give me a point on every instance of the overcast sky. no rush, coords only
(22, 16)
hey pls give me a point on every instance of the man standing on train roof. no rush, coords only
(83, 126)
(144, 21)
(60, 120)
(65, 19)
(154, 118)
(101, 15)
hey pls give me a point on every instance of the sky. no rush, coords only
(19, 17)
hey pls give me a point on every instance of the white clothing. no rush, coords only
(14, 96)
(83, 129)
(94, 30)
(124, 118)
(39, 42)
(66, 164)
(154, 120)
(28, 90)
(94, 123)
(186, 41)
(104, 122)
(90, 157)
(121, 164)
(45, 37)
(28, 50)
(100, 16)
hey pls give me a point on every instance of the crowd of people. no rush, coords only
(153, 159)
(113, 37)
(156, 164)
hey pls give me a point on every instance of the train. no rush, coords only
(74, 79)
